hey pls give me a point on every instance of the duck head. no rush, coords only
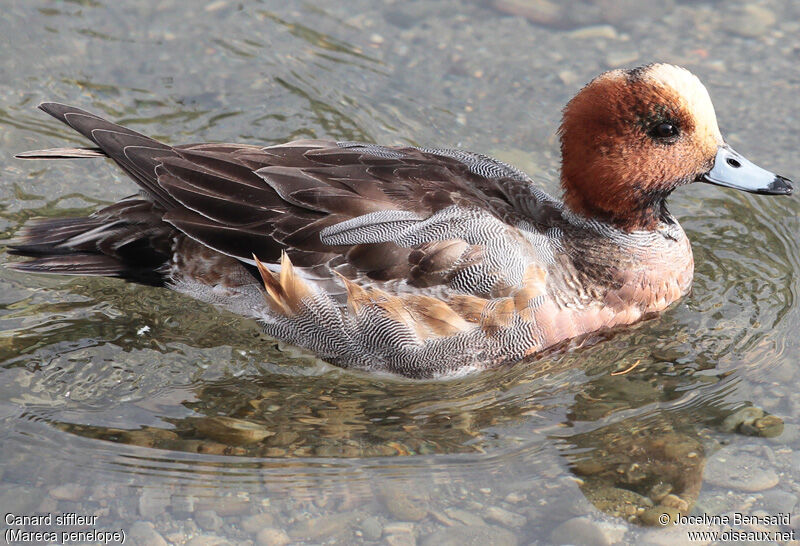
(630, 137)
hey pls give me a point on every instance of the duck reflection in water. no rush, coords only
(635, 441)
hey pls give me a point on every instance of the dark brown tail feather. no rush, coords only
(43, 237)
(71, 264)
(119, 241)
(139, 259)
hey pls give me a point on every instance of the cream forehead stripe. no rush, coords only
(692, 92)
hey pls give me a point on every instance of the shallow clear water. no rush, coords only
(137, 405)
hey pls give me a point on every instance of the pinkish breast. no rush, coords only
(601, 283)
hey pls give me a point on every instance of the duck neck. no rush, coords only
(630, 211)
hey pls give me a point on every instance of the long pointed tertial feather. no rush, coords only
(62, 153)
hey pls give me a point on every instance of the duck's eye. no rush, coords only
(664, 129)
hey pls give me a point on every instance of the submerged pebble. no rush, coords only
(752, 421)
(404, 504)
(230, 431)
(735, 469)
(749, 20)
(143, 533)
(595, 31)
(68, 491)
(228, 505)
(208, 520)
(745, 415)
(471, 535)
(253, 524)
(504, 517)
(209, 540)
(617, 501)
(583, 530)
(371, 528)
(270, 536)
(19, 500)
(182, 505)
(321, 527)
(777, 501)
(152, 503)
(515, 497)
(769, 426)
(464, 516)
(400, 538)
(619, 58)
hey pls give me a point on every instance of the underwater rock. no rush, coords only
(272, 537)
(208, 520)
(734, 469)
(583, 530)
(144, 533)
(230, 431)
(321, 527)
(403, 504)
(68, 491)
(253, 524)
(371, 528)
(471, 535)
(505, 517)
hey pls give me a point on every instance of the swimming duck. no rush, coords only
(423, 262)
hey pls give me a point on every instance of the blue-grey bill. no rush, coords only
(732, 170)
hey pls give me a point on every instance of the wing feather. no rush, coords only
(423, 216)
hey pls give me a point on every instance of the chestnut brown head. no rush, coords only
(630, 137)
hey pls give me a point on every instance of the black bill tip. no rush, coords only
(780, 186)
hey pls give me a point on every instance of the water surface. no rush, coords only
(166, 416)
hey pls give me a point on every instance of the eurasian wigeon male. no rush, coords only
(423, 262)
